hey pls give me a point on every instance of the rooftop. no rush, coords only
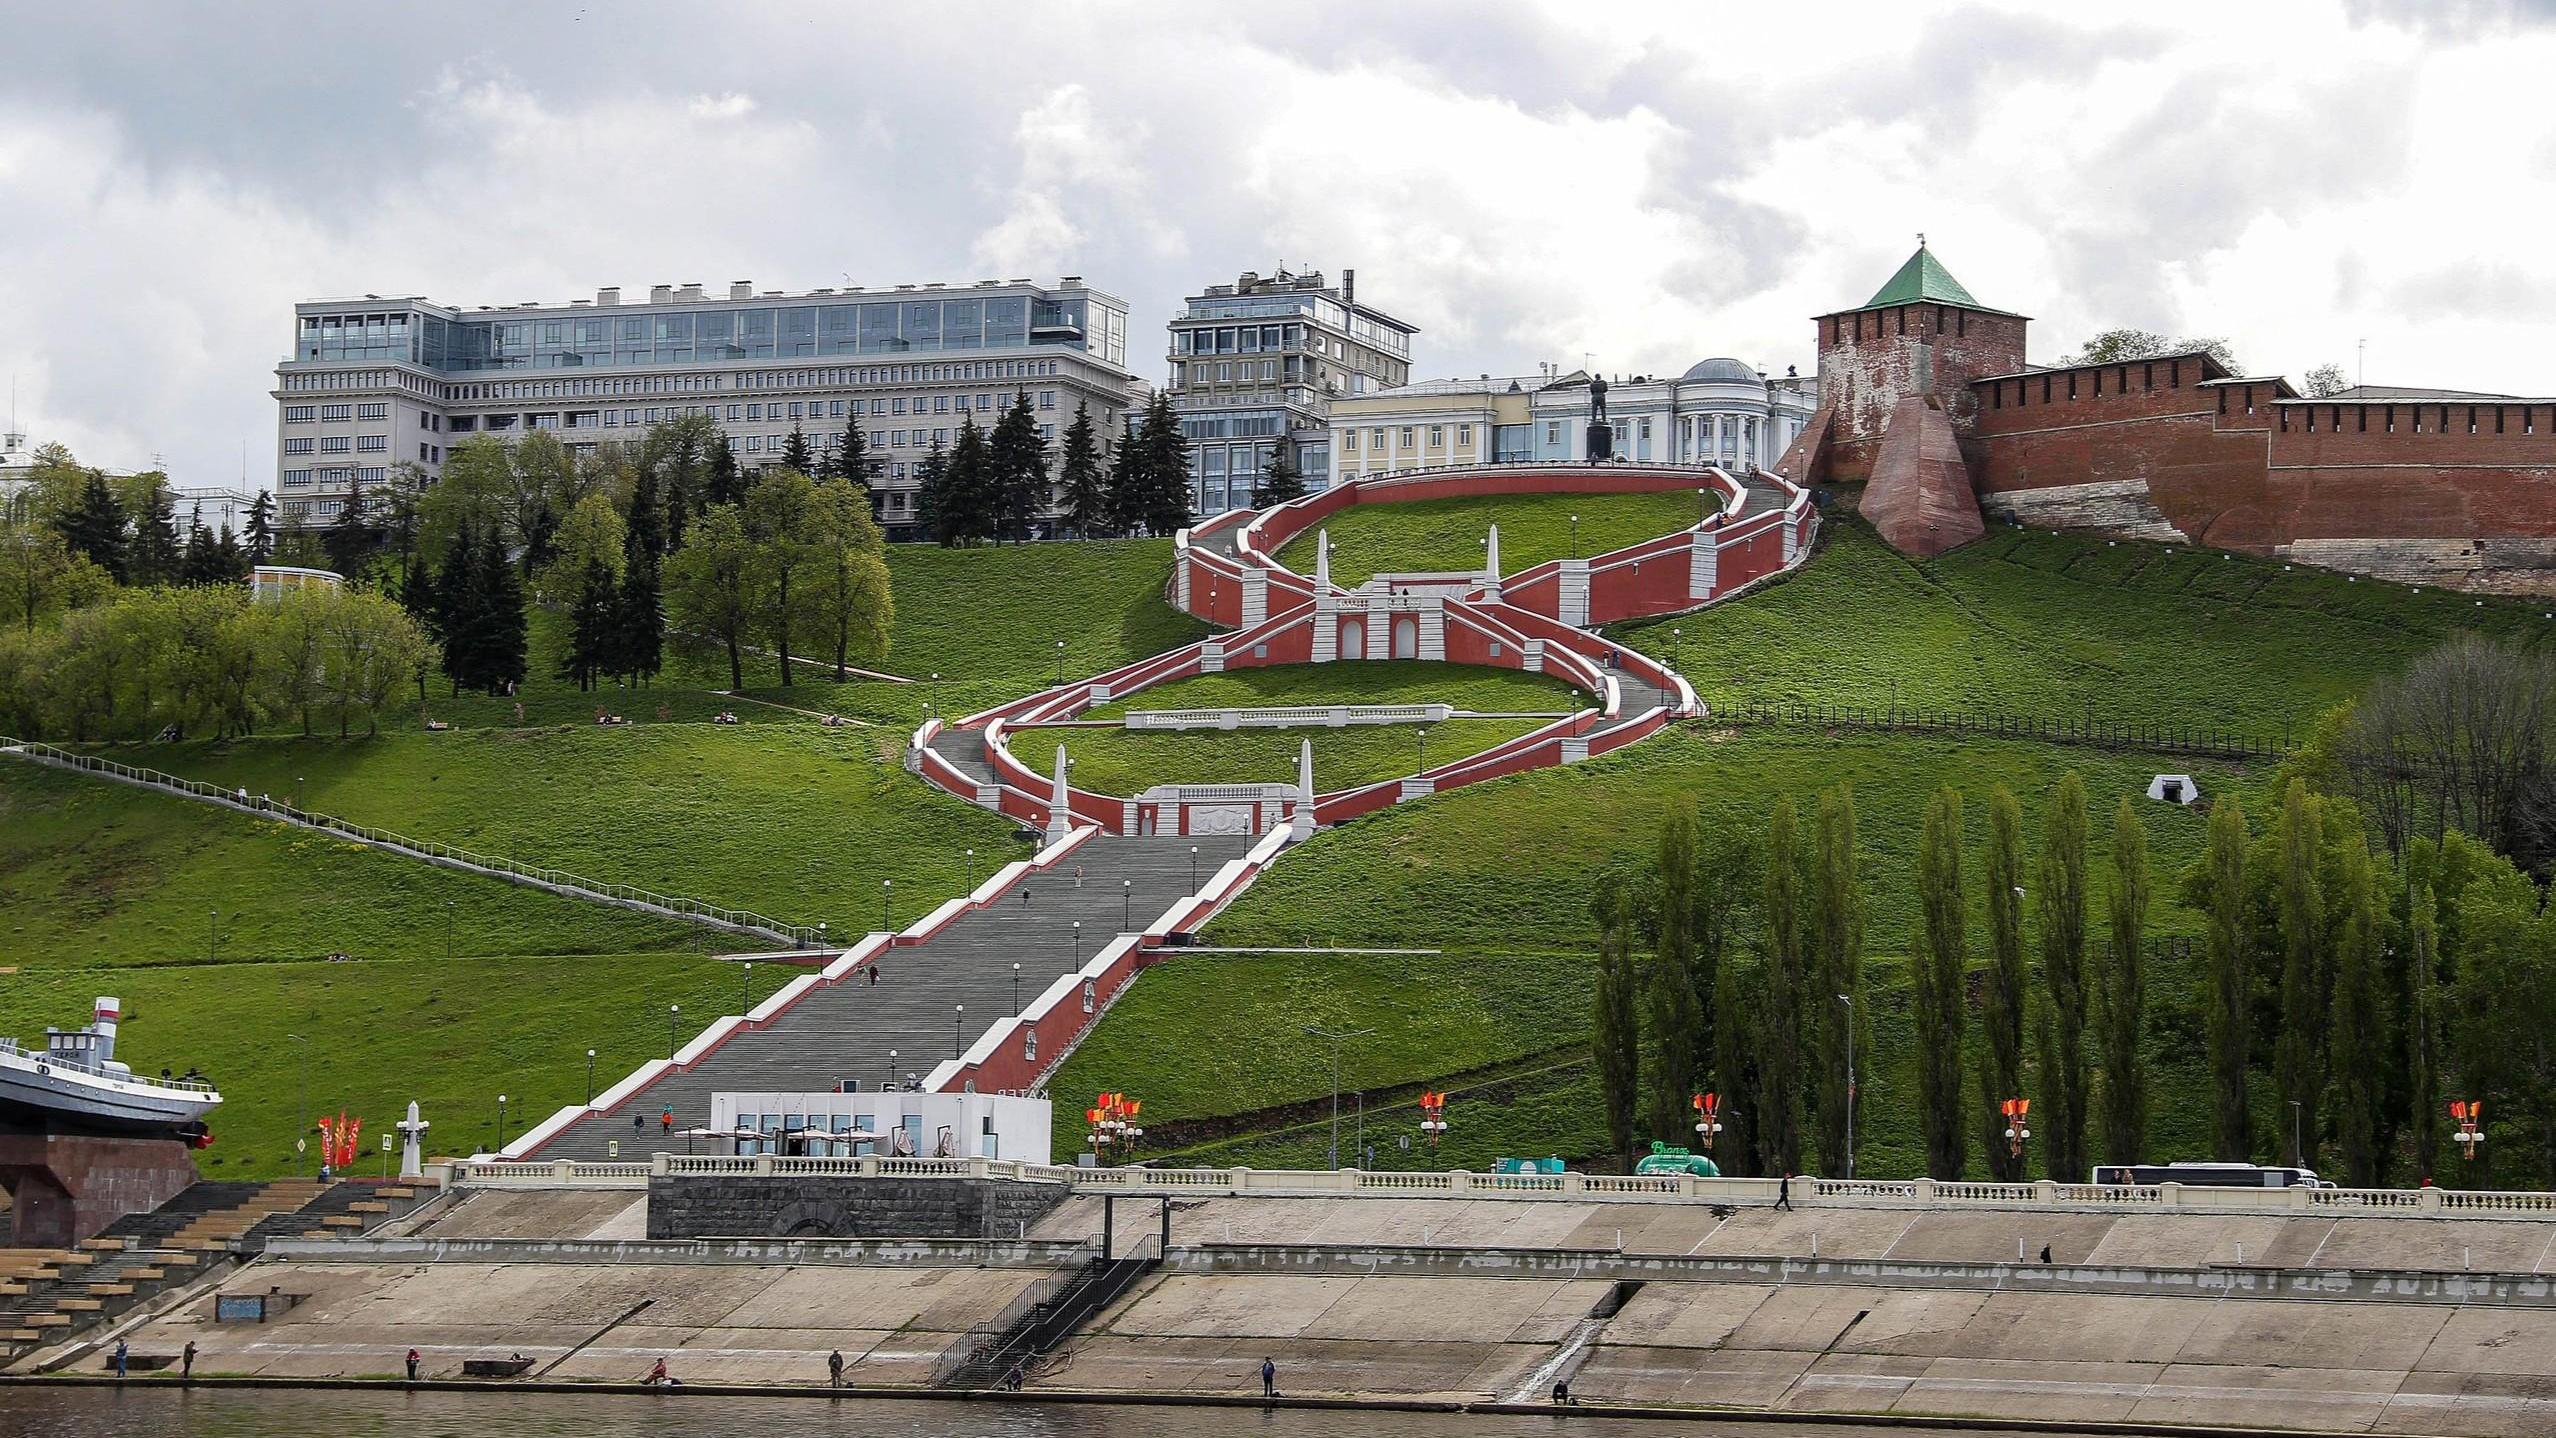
(1923, 280)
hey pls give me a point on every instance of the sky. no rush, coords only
(1634, 187)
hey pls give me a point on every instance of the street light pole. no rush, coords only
(886, 887)
(1193, 868)
(748, 988)
(1850, 1083)
(1335, 1083)
(971, 871)
(590, 1076)
(1423, 735)
(891, 1083)
(1127, 906)
(2298, 1143)
(1016, 988)
(1078, 945)
(213, 945)
(672, 1012)
(501, 1123)
(1575, 536)
(958, 1023)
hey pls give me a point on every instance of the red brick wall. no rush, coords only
(1870, 360)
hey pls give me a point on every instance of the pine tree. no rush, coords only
(591, 627)
(94, 528)
(1675, 1023)
(457, 608)
(2423, 1046)
(639, 623)
(1086, 483)
(1125, 508)
(154, 555)
(1942, 998)
(726, 484)
(417, 595)
(501, 641)
(2059, 902)
(1016, 460)
(348, 542)
(931, 495)
(1279, 483)
(1616, 1032)
(967, 502)
(231, 566)
(197, 562)
(2124, 1011)
(851, 457)
(1836, 994)
(2299, 1053)
(2359, 1030)
(794, 452)
(2230, 1018)
(261, 527)
(2002, 1016)
(1165, 469)
(1779, 1058)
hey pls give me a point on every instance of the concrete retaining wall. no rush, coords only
(800, 1206)
(783, 1253)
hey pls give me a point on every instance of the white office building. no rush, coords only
(1725, 412)
(376, 381)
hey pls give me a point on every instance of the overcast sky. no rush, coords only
(1648, 185)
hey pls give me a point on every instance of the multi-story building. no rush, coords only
(375, 381)
(1721, 411)
(1256, 365)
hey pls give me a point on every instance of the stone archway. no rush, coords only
(1406, 638)
(1353, 639)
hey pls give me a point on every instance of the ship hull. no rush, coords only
(37, 1097)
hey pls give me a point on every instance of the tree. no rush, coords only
(94, 527)
(2299, 1053)
(1726, 886)
(498, 643)
(2114, 346)
(153, 554)
(2230, 1021)
(545, 487)
(1675, 1023)
(709, 584)
(795, 454)
(722, 483)
(2504, 1000)
(456, 600)
(2002, 1016)
(781, 518)
(851, 457)
(1016, 467)
(964, 508)
(1164, 469)
(639, 623)
(474, 494)
(1836, 994)
(853, 604)
(261, 527)
(1616, 1032)
(2060, 907)
(2325, 379)
(1126, 506)
(931, 496)
(591, 626)
(677, 455)
(2359, 1029)
(371, 647)
(2122, 1014)
(592, 534)
(1280, 482)
(195, 557)
(2464, 739)
(348, 541)
(1086, 483)
(41, 576)
(1779, 1057)
(2423, 1046)
(1942, 995)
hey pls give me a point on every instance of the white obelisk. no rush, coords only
(412, 1161)
(1059, 811)
(1302, 827)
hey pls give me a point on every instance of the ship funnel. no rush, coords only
(102, 1023)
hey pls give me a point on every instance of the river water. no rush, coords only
(158, 1412)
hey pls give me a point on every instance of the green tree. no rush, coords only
(41, 576)
(499, 643)
(850, 460)
(1126, 506)
(592, 534)
(1164, 469)
(94, 526)
(1779, 1056)
(795, 454)
(2505, 1008)
(722, 482)
(2002, 1016)
(545, 486)
(1942, 993)
(1278, 483)
(1838, 1021)
(2423, 1041)
(260, 534)
(349, 540)
(2115, 346)
(2299, 1054)
(1016, 465)
(472, 495)
(853, 603)
(370, 647)
(781, 517)
(153, 554)
(1086, 482)
(931, 496)
(677, 455)
(1675, 1023)
(639, 623)
(710, 584)
(1616, 1032)
(2123, 1012)
(592, 623)
(2060, 907)
(1726, 888)
(2230, 1009)
(2359, 1031)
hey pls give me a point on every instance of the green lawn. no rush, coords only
(1445, 535)
(1506, 864)
(1480, 688)
(995, 614)
(96, 873)
(2064, 627)
(452, 1036)
(792, 820)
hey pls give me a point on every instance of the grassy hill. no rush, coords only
(1445, 535)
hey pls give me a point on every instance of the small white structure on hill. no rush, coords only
(2174, 789)
(903, 1123)
(274, 581)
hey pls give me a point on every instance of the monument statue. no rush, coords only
(1597, 399)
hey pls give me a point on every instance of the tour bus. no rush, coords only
(2206, 1175)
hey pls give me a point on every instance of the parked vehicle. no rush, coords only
(2206, 1175)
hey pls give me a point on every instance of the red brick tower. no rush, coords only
(1896, 405)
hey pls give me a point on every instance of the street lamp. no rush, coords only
(501, 1123)
(891, 1083)
(971, 871)
(1850, 1083)
(958, 1022)
(673, 1011)
(590, 1076)
(1422, 734)
(936, 694)
(749, 988)
(300, 787)
(1060, 663)
(1193, 868)
(1078, 944)
(1335, 1083)
(1575, 536)
(2298, 1143)
(1127, 906)
(1703, 507)
(213, 944)
(886, 887)
(1016, 988)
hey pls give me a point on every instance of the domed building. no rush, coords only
(1720, 411)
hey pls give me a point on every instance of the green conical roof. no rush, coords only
(1921, 280)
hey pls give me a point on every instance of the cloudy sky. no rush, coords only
(1647, 185)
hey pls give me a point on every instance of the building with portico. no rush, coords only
(1719, 411)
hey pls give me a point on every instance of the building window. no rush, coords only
(1464, 435)
(372, 443)
(1349, 441)
(297, 446)
(372, 411)
(1047, 399)
(1406, 436)
(300, 413)
(1437, 436)
(337, 411)
(296, 478)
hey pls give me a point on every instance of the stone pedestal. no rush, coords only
(64, 1188)
(1601, 441)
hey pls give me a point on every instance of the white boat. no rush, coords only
(74, 1085)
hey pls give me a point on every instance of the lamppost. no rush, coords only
(303, 1126)
(1336, 1040)
(749, 988)
(1060, 663)
(958, 1022)
(1078, 945)
(936, 694)
(1127, 906)
(891, 1083)
(1016, 988)
(820, 936)
(213, 945)
(300, 786)
(590, 1076)
(2298, 1144)
(1850, 1083)
(1193, 868)
(1575, 536)
(673, 1011)
(1422, 734)
(1703, 508)
(971, 871)
(501, 1123)
(886, 887)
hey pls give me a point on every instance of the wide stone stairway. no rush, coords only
(848, 1032)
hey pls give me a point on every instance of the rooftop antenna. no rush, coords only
(2360, 362)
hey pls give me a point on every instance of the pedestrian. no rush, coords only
(874, 972)
(1078, 876)
(665, 1122)
(638, 1122)
(1024, 895)
(834, 1369)
(186, 1361)
(1784, 1193)
(120, 1353)
(1268, 1378)
(414, 1358)
(2045, 1253)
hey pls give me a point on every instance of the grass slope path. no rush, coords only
(1174, 856)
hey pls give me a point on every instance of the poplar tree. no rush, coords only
(1726, 887)
(786, 577)
(2299, 1054)
(1735, 1067)
(639, 621)
(2001, 1019)
(1674, 1021)
(1943, 1000)
(453, 605)
(2123, 1013)
(2423, 1046)
(1086, 483)
(2360, 1021)
(2230, 998)
(1779, 1064)
(1615, 1034)
(154, 553)
(2059, 904)
(1836, 993)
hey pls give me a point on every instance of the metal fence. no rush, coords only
(743, 921)
(2209, 741)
